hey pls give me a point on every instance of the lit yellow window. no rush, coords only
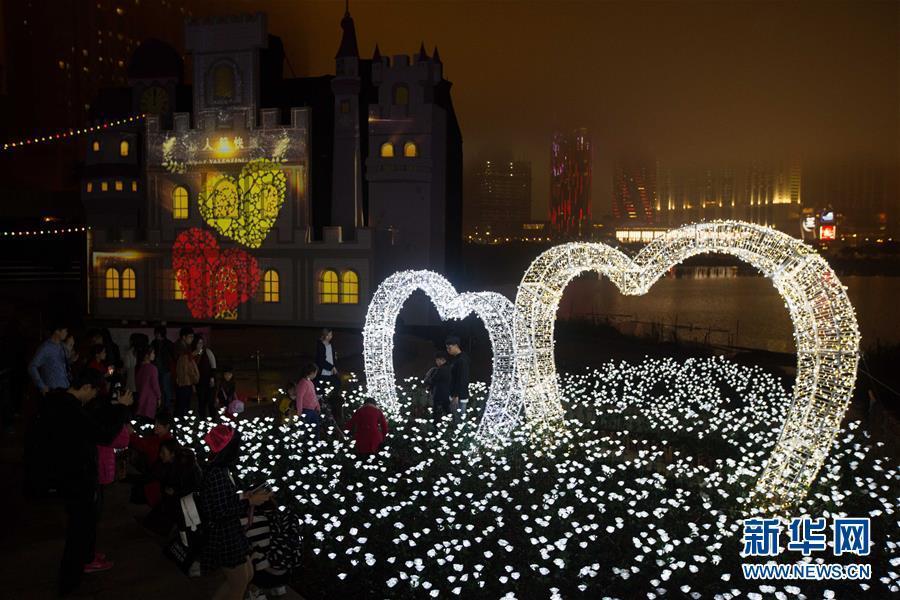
(387, 150)
(223, 82)
(104, 186)
(118, 186)
(129, 284)
(349, 287)
(180, 203)
(95, 146)
(89, 187)
(271, 286)
(225, 200)
(410, 150)
(401, 95)
(179, 289)
(134, 186)
(112, 283)
(328, 287)
(123, 148)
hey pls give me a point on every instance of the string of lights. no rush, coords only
(825, 332)
(503, 407)
(38, 232)
(62, 135)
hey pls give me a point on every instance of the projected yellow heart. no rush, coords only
(825, 331)
(246, 208)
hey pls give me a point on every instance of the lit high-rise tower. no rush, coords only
(570, 183)
(635, 199)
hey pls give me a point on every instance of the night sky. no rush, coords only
(688, 82)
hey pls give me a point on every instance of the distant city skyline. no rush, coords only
(725, 94)
(709, 82)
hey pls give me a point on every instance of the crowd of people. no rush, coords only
(96, 401)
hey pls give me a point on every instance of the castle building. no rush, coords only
(253, 198)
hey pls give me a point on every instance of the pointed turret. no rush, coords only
(348, 47)
(423, 56)
(436, 57)
(376, 56)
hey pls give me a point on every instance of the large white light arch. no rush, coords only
(504, 404)
(825, 330)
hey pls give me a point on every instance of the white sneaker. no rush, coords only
(277, 591)
(194, 571)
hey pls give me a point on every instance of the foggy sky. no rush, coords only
(692, 82)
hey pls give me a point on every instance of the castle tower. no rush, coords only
(414, 166)
(226, 61)
(347, 196)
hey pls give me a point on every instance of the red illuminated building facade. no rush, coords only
(570, 183)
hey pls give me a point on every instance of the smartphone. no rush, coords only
(260, 488)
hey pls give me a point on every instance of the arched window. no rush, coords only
(89, 187)
(410, 150)
(225, 199)
(129, 283)
(387, 150)
(349, 287)
(95, 146)
(111, 283)
(178, 288)
(118, 185)
(104, 186)
(328, 287)
(271, 286)
(401, 94)
(134, 186)
(123, 148)
(223, 82)
(180, 203)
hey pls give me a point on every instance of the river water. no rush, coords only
(718, 306)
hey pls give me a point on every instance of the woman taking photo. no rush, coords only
(226, 545)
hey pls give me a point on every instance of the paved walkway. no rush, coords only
(31, 543)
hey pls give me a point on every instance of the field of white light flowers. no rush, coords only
(643, 495)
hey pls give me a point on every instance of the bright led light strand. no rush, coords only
(825, 331)
(504, 405)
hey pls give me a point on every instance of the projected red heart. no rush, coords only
(213, 281)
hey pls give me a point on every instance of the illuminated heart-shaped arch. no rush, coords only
(496, 312)
(825, 330)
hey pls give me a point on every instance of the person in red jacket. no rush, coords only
(369, 427)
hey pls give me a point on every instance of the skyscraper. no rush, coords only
(635, 197)
(502, 200)
(570, 183)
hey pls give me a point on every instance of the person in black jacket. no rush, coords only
(178, 475)
(73, 429)
(459, 378)
(326, 357)
(437, 382)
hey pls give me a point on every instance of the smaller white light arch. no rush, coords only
(504, 405)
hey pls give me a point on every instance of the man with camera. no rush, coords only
(73, 429)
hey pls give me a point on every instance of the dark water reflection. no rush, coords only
(733, 310)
